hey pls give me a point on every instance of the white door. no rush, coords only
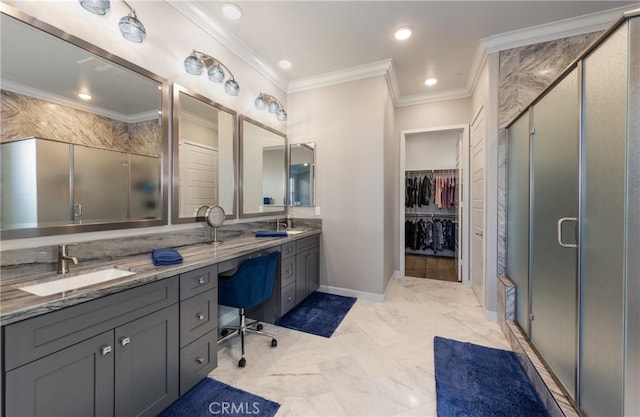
(478, 133)
(198, 177)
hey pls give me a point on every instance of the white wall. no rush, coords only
(441, 113)
(226, 171)
(163, 52)
(391, 192)
(431, 150)
(193, 131)
(347, 123)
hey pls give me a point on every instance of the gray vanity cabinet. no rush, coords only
(307, 267)
(113, 356)
(76, 381)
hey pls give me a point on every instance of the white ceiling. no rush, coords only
(321, 37)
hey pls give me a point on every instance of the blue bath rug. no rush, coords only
(477, 381)
(320, 314)
(211, 397)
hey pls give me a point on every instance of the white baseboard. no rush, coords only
(379, 298)
(491, 315)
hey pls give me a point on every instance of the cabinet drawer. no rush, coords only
(198, 281)
(288, 249)
(307, 242)
(287, 272)
(198, 315)
(34, 338)
(197, 360)
(287, 299)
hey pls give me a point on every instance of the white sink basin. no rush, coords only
(73, 282)
(294, 232)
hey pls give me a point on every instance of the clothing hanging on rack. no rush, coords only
(437, 187)
(430, 233)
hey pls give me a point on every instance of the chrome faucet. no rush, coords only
(280, 223)
(63, 258)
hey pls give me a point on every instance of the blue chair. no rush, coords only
(249, 286)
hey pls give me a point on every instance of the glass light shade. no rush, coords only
(231, 87)
(282, 115)
(260, 103)
(100, 7)
(132, 29)
(193, 65)
(274, 107)
(216, 73)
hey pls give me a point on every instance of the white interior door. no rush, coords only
(478, 133)
(198, 177)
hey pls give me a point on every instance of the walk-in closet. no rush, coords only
(431, 205)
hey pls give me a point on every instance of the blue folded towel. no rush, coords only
(165, 257)
(270, 233)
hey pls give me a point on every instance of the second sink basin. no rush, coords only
(73, 282)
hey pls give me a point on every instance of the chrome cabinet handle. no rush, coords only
(289, 299)
(125, 341)
(105, 350)
(559, 237)
(201, 280)
(77, 210)
(200, 316)
(200, 360)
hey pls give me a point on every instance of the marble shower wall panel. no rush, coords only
(24, 116)
(526, 71)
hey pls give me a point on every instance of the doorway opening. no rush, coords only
(433, 209)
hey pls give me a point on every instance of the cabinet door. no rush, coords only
(146, 364)
(301, 275)
(313, 278)
(76, 381)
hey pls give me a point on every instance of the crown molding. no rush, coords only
(453, 94)
(560, 29)
(346, 75)
(67, 102)
(229, 40)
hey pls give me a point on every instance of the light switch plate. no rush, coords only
(317, 211)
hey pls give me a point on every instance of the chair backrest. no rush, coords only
(252, 284)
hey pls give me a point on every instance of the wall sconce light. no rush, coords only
(197, 61)
(131, 28)
(267, 101)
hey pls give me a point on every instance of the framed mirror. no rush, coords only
(302, 174)
(204, 155)
(263, 169)
(84, 135)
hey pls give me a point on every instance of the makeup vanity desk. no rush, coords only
(133, 345)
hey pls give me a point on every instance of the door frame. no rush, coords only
(464, 233)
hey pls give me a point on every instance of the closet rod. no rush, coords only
(432, 171)
(447, 215)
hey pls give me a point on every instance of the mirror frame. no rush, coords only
(37, 24)
(313, 187)
(175, 167)
(241, 211)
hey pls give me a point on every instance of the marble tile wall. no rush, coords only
(21, 262)
(524, 73)
(22, 116)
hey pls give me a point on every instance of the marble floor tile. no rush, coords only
(379, 362)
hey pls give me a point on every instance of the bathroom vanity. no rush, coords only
(132, 345)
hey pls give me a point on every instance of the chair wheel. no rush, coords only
(224, 332)
(259, 326)
(242, 362)
(274, 343)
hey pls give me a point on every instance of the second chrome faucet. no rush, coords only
(64, 258)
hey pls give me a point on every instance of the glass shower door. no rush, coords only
(554, 209)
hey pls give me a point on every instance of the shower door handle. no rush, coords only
(560, 242)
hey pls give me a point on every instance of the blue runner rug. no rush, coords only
(477, 381)
(320, 314)
(211, 397)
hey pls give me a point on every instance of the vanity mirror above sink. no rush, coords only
(263, 179)
(84, 135)
(204, 142)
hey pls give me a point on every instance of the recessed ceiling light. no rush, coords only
(231, 11)
(430, 82)
(85, 96)
(285, 64)
(403, 33)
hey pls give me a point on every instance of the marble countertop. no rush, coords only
(17, 305)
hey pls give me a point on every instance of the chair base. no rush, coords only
(253, 327)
